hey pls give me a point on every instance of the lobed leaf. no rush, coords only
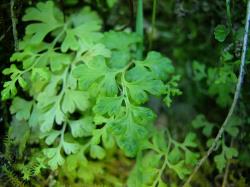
(17, 107)
(47, 18)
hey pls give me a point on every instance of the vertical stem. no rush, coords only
(229, 14)
(139, 28)
(14, 23)
(224, 182)
(152, 24)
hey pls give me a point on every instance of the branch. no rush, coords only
(235, 99)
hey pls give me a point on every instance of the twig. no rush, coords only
(236, 97)
(14, 23)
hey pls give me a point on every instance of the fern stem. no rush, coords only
(224, 183)
(236, 98)
(139, 28)
(62, 134)
(14, 23)
(166, 162)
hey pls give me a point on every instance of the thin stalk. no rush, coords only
(236, 98)
(224, 183)
(139, 28)
(151, 35)
(165, 163)
(14, 23)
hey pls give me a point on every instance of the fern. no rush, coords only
(85, 91)
(163, 152)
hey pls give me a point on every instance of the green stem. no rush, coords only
(228, 14)
(166, 162)
(62, 135)
(139, 28)
(164, 165)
